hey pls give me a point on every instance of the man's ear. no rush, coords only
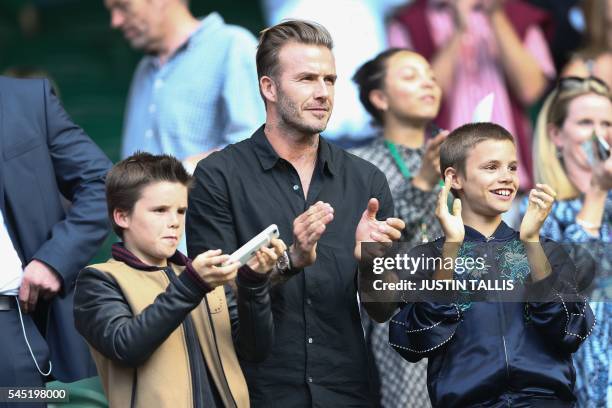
(456, 180)
(268, 89)
(121, 218)
(555, 135)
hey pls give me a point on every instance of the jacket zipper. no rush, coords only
(506, 356)
(188, 330)
(503, 323)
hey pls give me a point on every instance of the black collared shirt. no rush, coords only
(319, 356)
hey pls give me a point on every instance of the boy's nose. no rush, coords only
(505, 175)
(174, 220)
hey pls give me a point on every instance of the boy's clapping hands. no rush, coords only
(540, 203)
(452, 224)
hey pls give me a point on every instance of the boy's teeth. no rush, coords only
(502, 192)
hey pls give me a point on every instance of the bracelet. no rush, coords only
(586, 224)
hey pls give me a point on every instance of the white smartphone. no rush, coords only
(248, 250)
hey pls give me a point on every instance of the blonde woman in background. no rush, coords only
(566, 158)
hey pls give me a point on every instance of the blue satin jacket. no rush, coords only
(487, 353)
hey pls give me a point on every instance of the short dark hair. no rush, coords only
(273, 38)
(371, 76)
(455, 149)
(126, 180)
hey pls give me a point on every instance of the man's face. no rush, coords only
(490, 181)
(153, 229)
(138, 20)
(305, 87)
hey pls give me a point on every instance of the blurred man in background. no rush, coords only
(195, 90)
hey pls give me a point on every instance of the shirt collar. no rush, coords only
(268, 157)
(502, 233)
(210, 23)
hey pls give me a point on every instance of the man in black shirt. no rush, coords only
(324, 201)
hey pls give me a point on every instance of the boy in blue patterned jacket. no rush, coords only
(487, 352)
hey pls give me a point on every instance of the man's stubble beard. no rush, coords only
(289, 114)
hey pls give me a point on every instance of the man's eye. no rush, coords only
(182, 211)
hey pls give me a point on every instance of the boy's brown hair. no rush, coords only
(126, 180)
(455, 149)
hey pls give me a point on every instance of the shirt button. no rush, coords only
(296, 187)
(159, 83)
(149, 133)
(152, 108)
(308, 301)
(310, 340)
(309, 379)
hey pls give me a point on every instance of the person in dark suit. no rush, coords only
(53, 214)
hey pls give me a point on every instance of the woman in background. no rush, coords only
(400, 92)
(566, 158)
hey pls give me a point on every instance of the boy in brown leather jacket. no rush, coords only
(158, 324)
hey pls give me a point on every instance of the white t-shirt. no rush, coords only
(11, 272)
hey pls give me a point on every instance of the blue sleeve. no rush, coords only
(420, 329)
(80, 170)
(560, 313)
(241, 98)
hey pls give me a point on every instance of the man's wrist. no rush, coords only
(51, 269)
(297, 259)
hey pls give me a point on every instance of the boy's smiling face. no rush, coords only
(490, 181)
(154, 227)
